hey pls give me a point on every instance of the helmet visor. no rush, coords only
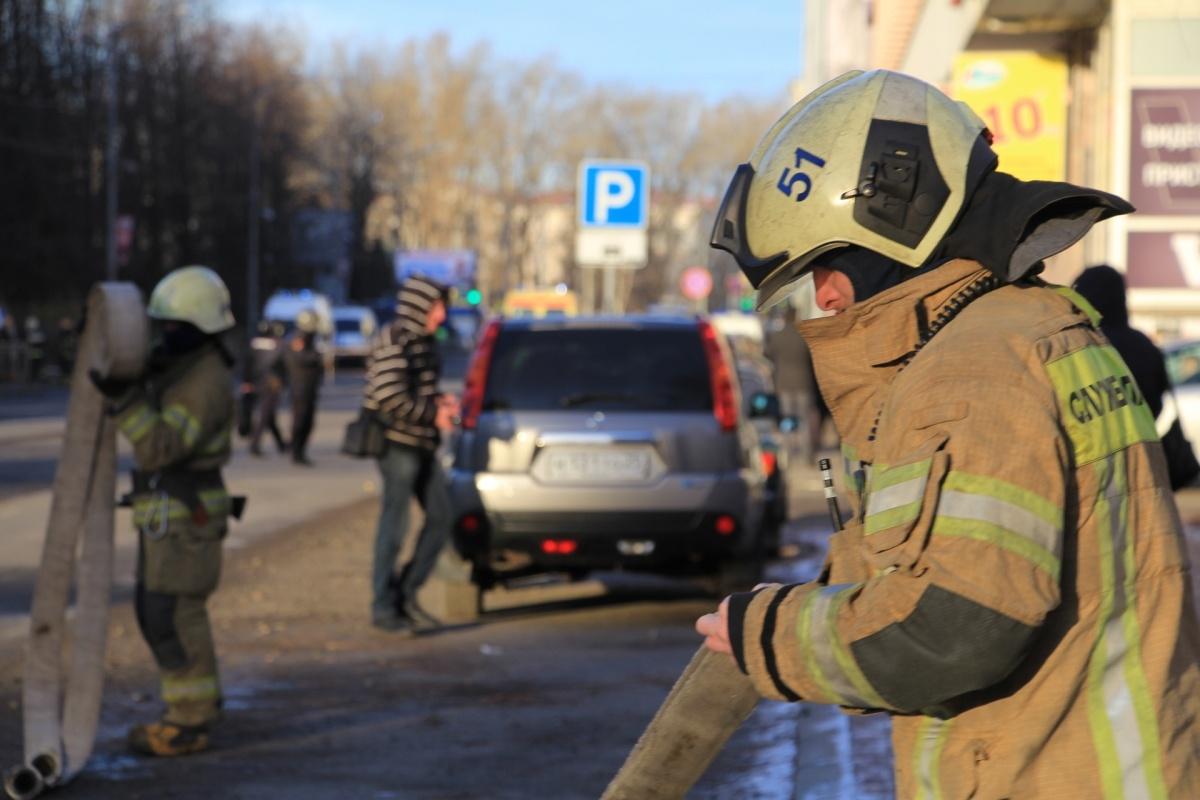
(729, 230)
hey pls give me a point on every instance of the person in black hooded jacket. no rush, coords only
(1104, 288)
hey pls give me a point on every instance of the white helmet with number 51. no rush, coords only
(877, 160)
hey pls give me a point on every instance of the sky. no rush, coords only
(713, 49)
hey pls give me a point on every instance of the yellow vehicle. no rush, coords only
(540, 303)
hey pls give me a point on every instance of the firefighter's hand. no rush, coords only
(110, 387)
(715, 629)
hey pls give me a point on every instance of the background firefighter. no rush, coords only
(304, 373)
(178, 418)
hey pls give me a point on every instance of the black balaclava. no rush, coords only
(179, 338)
(869, 272)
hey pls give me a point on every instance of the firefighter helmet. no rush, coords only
(307, 321)
(192, 294)
(877, 160)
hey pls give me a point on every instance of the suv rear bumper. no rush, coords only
(671, 523)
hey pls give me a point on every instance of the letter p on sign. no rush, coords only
(614, 190)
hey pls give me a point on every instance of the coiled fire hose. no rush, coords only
(61, 716)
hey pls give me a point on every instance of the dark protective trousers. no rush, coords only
(264, 420)
(176, 575)
(304, 415)
(406, 473)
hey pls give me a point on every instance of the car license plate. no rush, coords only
(616, 465)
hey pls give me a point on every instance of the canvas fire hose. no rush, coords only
(62, 700)
(707, 704)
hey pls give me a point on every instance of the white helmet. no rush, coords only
(877, 160)
(192, 294)
(307, 321)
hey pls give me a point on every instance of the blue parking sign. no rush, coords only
(613, 194)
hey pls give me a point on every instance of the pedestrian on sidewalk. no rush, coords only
(179, 420)
(269, 374)
(402, 389)
(1013, 587)
(305, 371)
(1104, 288)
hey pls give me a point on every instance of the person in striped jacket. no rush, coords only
(402, 389)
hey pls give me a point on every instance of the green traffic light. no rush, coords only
(474, 296)
(747, 304)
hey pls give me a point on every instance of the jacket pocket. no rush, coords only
(900, 507)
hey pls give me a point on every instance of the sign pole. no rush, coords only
(610, 290)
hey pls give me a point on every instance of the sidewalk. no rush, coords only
(279, 495)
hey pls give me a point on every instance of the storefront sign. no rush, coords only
(1164, 260)
(1022, 98)
(1164, 159)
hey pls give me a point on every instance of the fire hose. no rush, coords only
(708, 703)
(62, 711)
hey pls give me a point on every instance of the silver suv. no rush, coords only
(600, 443)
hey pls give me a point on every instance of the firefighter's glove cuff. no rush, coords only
(118, 391)
(762, 634)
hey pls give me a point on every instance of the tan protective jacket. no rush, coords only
(180, 426)
(1014, 587)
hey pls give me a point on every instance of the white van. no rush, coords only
(353, 328)
(285, 305)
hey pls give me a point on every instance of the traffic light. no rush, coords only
(474, 296)
(747, 303)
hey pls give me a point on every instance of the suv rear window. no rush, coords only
(644, 369)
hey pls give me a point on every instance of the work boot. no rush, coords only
(392, 623)
(167, 739)
(422, 620)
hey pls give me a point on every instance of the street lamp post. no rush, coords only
(112, 156)
(253, 217)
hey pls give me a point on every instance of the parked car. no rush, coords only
(353, 327)
(761, 405)
(1183, 367)
(600, 443)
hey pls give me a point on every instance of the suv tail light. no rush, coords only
(724, 398)
(476, 382)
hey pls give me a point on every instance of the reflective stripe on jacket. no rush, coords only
(1014, 586)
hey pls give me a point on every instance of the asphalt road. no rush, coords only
(542, 700)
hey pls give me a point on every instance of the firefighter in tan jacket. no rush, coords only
(178, 418)
(1013, 587)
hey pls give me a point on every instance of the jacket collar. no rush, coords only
(858, 352)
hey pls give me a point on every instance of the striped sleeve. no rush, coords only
(397, 388)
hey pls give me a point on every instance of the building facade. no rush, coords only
(1104, 93)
